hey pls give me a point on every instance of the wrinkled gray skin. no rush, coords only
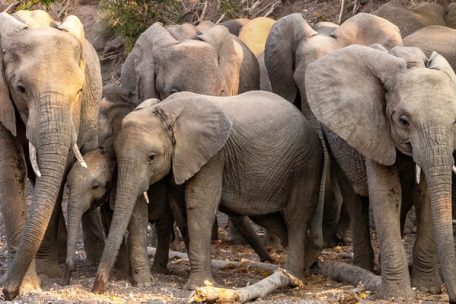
(166, 61)
(409, 20)
(218, 141)
(51, 102)
(408, 118)
(90, 188)
(291, 46)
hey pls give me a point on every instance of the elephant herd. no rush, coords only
(359, 115)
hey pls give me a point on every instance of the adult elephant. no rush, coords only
(291, 46)
(400, 112)
(50, 86)
(409, 20)
(212, 62)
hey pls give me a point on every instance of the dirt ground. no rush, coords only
(168, 288)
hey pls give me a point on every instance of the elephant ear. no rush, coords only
(36, 18)
(346, 92)
(438, 62)
(73, 25)
(147, 103)
(9, 26)
(366, 29)
(143, 53)
(230, 56)
(279, 54)
(200, 128)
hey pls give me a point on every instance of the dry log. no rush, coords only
(219, 264)
(343, 272)
(280, 278)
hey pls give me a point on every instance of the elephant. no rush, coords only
(235, 26)
(50, 87)
(213, 62)
(255, 33)
(406, 123)
(291, 46)
(252, 154)
(409, 20)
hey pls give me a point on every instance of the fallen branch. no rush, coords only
(280, 278)
(219, 264)
(12, 7)
(343, 272)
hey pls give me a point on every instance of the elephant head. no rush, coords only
(161, 65)
(293, 44)
(50, 82)
(380, 102)
(180, 134)
(88, 189)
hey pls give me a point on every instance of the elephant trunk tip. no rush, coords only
(10, 294)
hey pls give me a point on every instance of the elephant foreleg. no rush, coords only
(54, 245)
(385, 196)
(425, 274)
(13, 200)
(202, 197)
(137, 244)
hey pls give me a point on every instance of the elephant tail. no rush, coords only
(316, 226)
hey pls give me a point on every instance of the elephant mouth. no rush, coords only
(405, 148)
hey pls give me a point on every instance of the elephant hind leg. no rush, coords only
(298, 215)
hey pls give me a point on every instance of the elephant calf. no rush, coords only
(253, 154)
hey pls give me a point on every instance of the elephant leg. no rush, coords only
(13, 201)
(47, 258)
(357, 208)
(93, 236)
(137, 244)
(244, 227)
(274, 225)
(385, 196)
(425, 274)
(202, 197)
(164, 228)
(298, 215)
(214, 235)
(178, 212)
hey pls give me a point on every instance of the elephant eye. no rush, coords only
(151, 157)
(173, 91)
(404, 121)
(95, 187)
(21, 88)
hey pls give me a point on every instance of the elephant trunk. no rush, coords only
(74, 218)
(51, 134)
(126, 196)
(437, 164)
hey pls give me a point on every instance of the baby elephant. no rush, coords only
(252, 154)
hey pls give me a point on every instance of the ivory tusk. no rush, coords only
(146, 197)
(454, 169)
(417, 174)
(78, 156)
(33, 160)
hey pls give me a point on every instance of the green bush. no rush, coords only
(129, 18)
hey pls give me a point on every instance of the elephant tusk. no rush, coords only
(454, 169)
(146, 197)
(417, 174)
(34, 160)
(78, 156)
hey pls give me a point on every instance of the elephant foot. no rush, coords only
(429, 283)
(388, 291)
(66, 276)
(156, 268)
(31, 283)
(198, 280)
(99, 285)
(143, 281)
(48, 267)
